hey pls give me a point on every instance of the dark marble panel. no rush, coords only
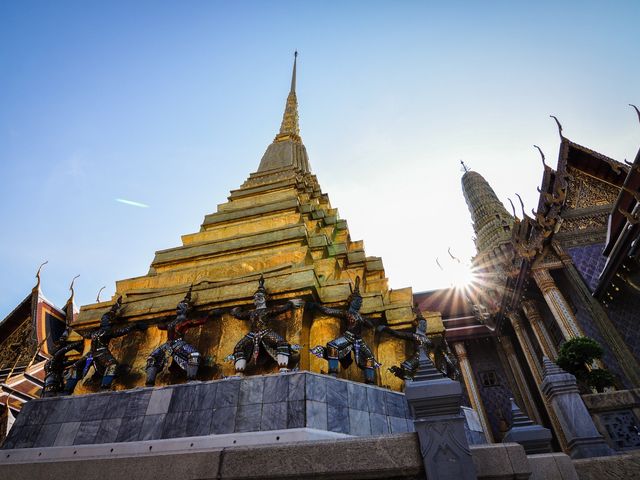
(249, 417)
(198, 422)
(205, 396)
(159, 401)
(375, 401)
(175, 425)
(182, 398)
(21, 419)
(47, 435)
(227, 393)
(251, 390)
(359, 423)
(117, 407)
(297, 386)
(379, 424)
(108, 431)
(67, 434)
(337, 393)
(338, 418)
(129, 429)
(316, 388)
(58, 413)
(27, 436)
(296, 414)
(10, 440)
(223, 420)
(274, 416)
(276, 389)
(138, 403)
(316, 415)
(96, 407)
(152, 427)
(357, 396)
(87, 433)
(77, 407)
(395, 403)
(39, 412)
(398, 425)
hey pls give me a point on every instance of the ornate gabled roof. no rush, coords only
(491, 222)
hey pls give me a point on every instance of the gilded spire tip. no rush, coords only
(289, 129)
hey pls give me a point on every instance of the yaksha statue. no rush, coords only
(185, 355)
(99, 354)
(262, 336)
(54, 367)
(338, 351)
(443, 358)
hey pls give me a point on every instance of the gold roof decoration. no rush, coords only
(287, 148)
(492, 223)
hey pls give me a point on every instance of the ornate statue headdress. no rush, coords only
(261, 288)
(108, 317)
(355, 295)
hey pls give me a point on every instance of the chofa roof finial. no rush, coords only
(542, 153)
(99, 292)
(636, 109)
(38, 273)
(559, 125)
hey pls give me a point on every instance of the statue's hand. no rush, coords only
(422, 338)
(216, 312)
(296, 302)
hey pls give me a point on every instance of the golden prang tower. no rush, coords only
(281, 225)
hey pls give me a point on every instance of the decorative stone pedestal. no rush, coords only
(251, 404)
(434, 401)
(533, 437)
(561, 390)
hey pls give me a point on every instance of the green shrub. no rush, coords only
(576, 356)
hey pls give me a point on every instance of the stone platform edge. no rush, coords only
(388, 457)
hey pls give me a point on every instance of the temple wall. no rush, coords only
(588, 324)
(492, 382)
(623, 312)
(589, 262)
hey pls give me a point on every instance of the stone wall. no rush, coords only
(617, 417)
(619, 467)
(391, 457)
(233, 405)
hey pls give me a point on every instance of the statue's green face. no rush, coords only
(260, 300)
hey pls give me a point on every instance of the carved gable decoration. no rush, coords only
(586, 191)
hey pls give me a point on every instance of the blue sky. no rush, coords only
(171, 104)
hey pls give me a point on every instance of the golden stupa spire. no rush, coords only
(290, 129)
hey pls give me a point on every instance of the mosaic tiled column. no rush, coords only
(518, 375)
(557, 304)
(526, 345)
(472, 389)
(532, 313)
(536, 371)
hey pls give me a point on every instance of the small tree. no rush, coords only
(576, 355)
